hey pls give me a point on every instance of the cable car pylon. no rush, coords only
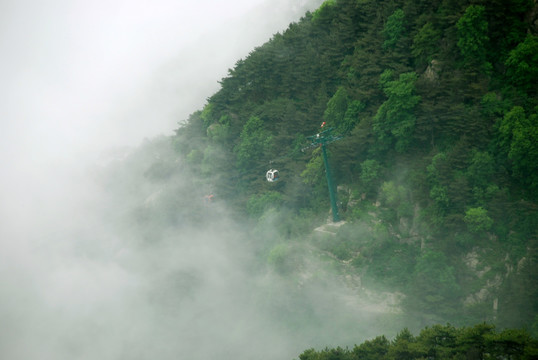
(322, 139)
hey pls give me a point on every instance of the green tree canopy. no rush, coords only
(473, 35)
(426, 44)
(394, 28)
(518, 138)
(336, 108)
(254, 142)
(522, 64)
(477, 219)
(395, 118)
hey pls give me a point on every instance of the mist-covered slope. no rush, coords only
(146, 266)
(436, 107)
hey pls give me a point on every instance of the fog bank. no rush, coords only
(99, 258)
(142, 267)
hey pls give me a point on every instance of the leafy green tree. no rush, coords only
(437, 170)
(524, 150)
(481, 168)
(473, 36)
(326, 354)
(438, 341)
(219, 132)
(375, 349)
(336, 108)
(507, 126)
(313, 173)
(254, 142)
(522, 64)
(394, 29)
(434, 290)
(518, 138)
(324, 12)
(258, 204)
(342, 112)
(351, 118)
(507, 24)
(426, 44)
(439, 194)
(480, 174)
(511, 344)
(370, 175)
(395, 118)
(390, 193)
(207, 115)
(477, 219)
(439, 178)
(404, 347)
(493, 106)
(471, 341)
(310, 354)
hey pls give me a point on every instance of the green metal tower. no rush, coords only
(322, 139)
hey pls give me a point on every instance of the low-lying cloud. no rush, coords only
(143, 267)
(100, 259)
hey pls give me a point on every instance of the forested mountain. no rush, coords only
(435, 107)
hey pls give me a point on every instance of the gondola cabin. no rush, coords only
(272, 175)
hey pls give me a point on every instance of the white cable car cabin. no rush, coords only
(272, 175)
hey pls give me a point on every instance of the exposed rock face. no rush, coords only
(432, 71)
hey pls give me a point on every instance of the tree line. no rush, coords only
(481, 341)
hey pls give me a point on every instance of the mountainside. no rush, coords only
(433, 107)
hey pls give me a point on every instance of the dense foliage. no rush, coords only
(437, 167)
(438, 342)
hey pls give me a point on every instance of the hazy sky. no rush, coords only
(79, 76)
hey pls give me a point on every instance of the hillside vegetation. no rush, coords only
(438, 342)
(436, 107)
